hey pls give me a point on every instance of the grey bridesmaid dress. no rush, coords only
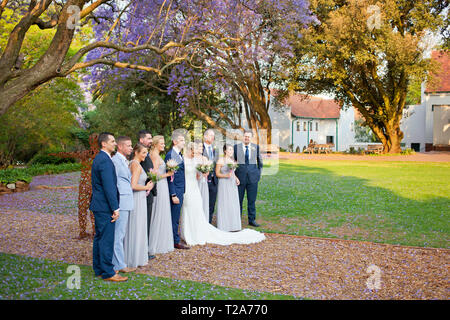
(136, 245)
(161, 234)
(228, 207)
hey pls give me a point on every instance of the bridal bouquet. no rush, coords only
(172, 166)
(205, 166)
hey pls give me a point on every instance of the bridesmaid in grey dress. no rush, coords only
(202, 178)
(135, 243)
(228, 207)
(161, 235)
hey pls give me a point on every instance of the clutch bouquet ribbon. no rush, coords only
(172, 166)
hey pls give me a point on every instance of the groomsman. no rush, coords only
(105, 206)
(249, 172)
(124, 149)
(211, 153)
(145, 138)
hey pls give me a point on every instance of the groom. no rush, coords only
(177, 186)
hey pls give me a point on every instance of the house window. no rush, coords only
(330, 139)
(317, 126)
(304, 126)
(298, 125)
(310, 126)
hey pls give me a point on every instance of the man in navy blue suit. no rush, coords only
(249, 172)
(105, 206)
(177, 186)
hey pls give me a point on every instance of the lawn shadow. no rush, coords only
(314, 201)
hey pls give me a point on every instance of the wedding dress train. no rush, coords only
(195, 228)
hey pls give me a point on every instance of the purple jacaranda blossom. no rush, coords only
(224, 40)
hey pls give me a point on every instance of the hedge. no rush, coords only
(26, 174)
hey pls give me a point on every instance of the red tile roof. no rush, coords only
(312, 107)
(440, 81)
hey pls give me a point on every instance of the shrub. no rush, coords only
(408, 152)
(13, 175)
(26, 174)
(47, 158)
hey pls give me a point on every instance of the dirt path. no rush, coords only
(301, 266)
(432, 156)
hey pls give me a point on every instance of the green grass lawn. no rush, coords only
(404, 203)
(32, 279)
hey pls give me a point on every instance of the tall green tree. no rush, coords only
(366, 53)
(41, 120)
(133, 106)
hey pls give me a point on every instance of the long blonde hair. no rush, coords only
(156, 141)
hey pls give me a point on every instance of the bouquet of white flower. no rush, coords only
(172, 165)
(205, 166)
(232, 165)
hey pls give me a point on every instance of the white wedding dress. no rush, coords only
(195, 228)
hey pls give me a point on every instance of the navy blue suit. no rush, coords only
(176, 187)
(248, 173)
(105, 200)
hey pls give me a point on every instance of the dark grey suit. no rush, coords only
(212, 181)
(147, 164)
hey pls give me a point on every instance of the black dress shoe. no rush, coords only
(180, 246)
(253, 223)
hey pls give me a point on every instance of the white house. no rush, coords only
(426, 126)
(299, 119)
(305, 118)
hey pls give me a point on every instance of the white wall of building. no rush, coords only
(417, 122)
(281, 126)
(346, 134)
(429, 101)
(321, 128)
(413, 126)
(318, 131)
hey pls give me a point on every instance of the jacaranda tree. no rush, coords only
(238, 52)
(19, 75)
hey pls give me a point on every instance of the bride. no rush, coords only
(195, 228)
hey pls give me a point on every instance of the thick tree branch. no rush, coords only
(2, 6)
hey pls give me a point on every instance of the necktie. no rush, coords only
(246, 155)
(210, 153)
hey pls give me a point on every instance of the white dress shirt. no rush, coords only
(249, 149)
(106, 153)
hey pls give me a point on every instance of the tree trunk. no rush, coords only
(390, 136)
